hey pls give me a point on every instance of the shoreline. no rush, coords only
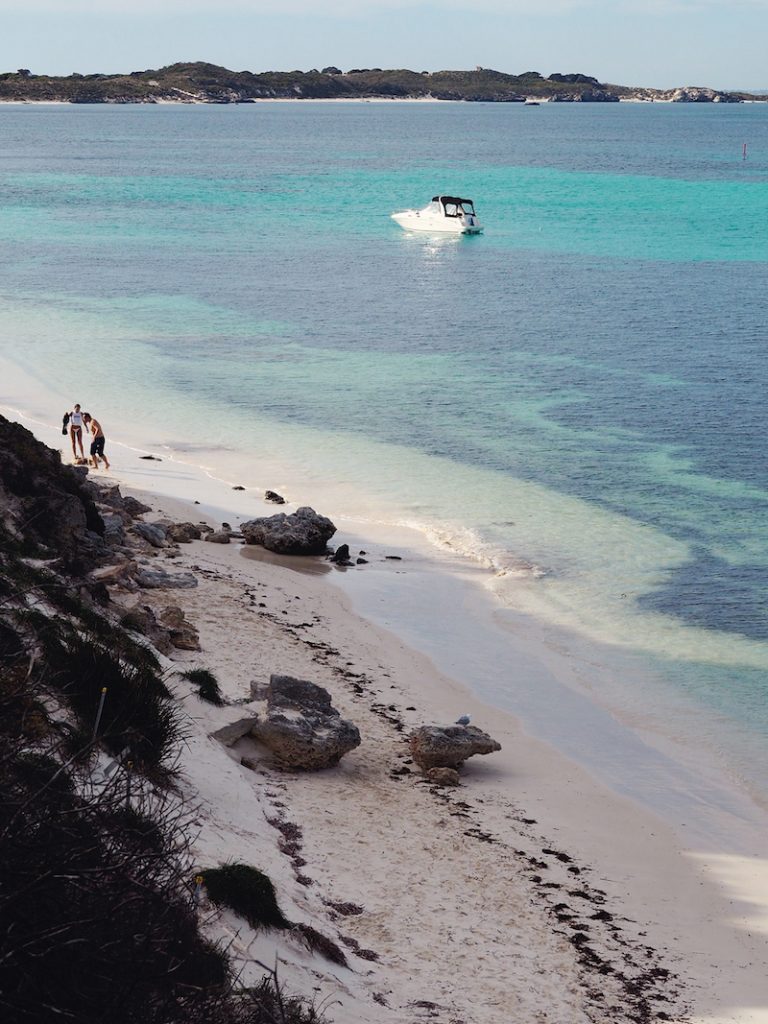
(532, 808)
(512, 659)
(639, 861)
(532, 100)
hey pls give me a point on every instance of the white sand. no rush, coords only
(455, 920)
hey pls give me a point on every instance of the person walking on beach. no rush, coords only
(75, 420)
(98, 442)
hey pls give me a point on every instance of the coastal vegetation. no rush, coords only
(200, 82)
(99, 906)
(206, 683)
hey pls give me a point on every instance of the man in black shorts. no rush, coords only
(97, 444)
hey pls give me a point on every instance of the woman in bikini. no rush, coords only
(76, 422)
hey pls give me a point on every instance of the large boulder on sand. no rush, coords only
(435, 746)
(301, 727)
(304, 532)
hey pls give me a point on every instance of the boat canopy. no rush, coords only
(459, 205)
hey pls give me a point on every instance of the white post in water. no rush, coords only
(98, 713)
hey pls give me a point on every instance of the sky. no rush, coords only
(657, 43)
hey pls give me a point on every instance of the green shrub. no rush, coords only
(94, 925)
(248, 892)
(139, 717)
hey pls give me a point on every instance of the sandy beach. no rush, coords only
(536, 891)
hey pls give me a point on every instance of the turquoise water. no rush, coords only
(576, 399)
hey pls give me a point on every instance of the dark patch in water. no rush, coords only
(739, 592)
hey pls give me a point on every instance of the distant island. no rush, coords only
(208, 83)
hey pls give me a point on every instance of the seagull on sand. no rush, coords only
(464, 720)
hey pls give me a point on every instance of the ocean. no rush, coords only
(573, 402)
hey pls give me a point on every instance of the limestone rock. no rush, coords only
(218, 537)
(443, 776)
(159, 579)
(184, 533)
(302, 533)
(142, 619)
(120, 572)
(134, 507)
(435, 746)
(114, 531)
(104, 493)
(152, 533)
(183, 634)
(302, 729)
(238, 726)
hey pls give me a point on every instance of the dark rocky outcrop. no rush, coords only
(274, 497)
(301, 727)
(305, 532)
(44, 505)
(435, 746)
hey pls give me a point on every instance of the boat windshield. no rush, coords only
(453, 206)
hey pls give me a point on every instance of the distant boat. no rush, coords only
(531, 103)
(444, 215)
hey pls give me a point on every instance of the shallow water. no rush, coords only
(575, 399)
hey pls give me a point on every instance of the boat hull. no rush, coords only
(417, 220)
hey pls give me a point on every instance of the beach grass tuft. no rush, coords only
(207, 685)
(247, 891)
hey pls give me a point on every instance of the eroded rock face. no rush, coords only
(302, 728)
(183, 634)
(435, 746)
(142, 619)
(302, 533)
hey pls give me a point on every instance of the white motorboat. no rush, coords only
(444, 215)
